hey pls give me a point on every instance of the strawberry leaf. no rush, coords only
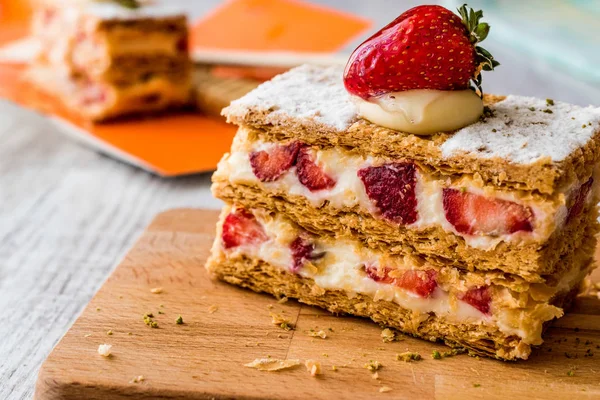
(478, 32)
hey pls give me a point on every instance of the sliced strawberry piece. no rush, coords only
(270, 165)
(380, 274)
(92, 93)
(241, 228)
(480, 298)
(579, 202)
(302, 251)
(422, 283)
(310, 174)
(474, 214)
(392, 188)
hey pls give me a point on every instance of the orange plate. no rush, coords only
(191, 143)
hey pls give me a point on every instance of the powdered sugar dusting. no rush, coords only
(524, 130)
(303, 92)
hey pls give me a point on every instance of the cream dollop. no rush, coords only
(423, 111)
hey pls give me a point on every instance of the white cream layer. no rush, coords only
(422, 112)
(349, 191)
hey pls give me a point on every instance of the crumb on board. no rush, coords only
(375, 375)
(104, 350)
(148, 320)
(282, 300)
(385, 389)
(388, 336)
(138, 379)
(322, 334)
(373, 365)
(156, 290)
(87, 335)
(283, 322)
(437, 355)
(334, 368)
(272, 364)
(408, 356)
(476, 385)
(213, 309)
(313, 367)
(179, 320)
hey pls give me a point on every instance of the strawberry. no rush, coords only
(474, 214)
(311, 174)
(241, 228)
(270, 165)
(302, 251)
(392, 188)
(480, 298)
(427, 47)
(580, 196)
(422, 283)
(380, 275)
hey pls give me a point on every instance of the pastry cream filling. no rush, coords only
(349, 192)
(342, 268)
(422, 111)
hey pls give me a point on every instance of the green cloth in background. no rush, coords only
(564, 33)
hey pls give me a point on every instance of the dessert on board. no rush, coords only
(108, 59)
(395, 189)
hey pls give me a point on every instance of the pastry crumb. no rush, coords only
(272, 364)
(213, 309)
(314, 367)
(375, 375)
(87, 335)
(156, 290)
(320, 334)
(179, 320)
(408, 356)
(373, 365)
(282, 300)
(385, 389)
(105, 350)
(388, 336)
(138, 379)
(334, 368)
(283, 322)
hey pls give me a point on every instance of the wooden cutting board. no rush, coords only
(204, 357)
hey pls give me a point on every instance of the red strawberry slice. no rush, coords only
(241, 228)
(302, 251)
(310, 174)
(270, 165)
(422, 283)
(391, 187)
(473, 214)
(427, 47)
(579, 202)
(480, 298)
(380, 274)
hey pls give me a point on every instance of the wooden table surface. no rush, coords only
(67, 214)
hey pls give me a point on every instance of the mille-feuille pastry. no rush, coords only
(391, 190)
(107, 59)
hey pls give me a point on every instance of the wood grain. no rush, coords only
(204, 357)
